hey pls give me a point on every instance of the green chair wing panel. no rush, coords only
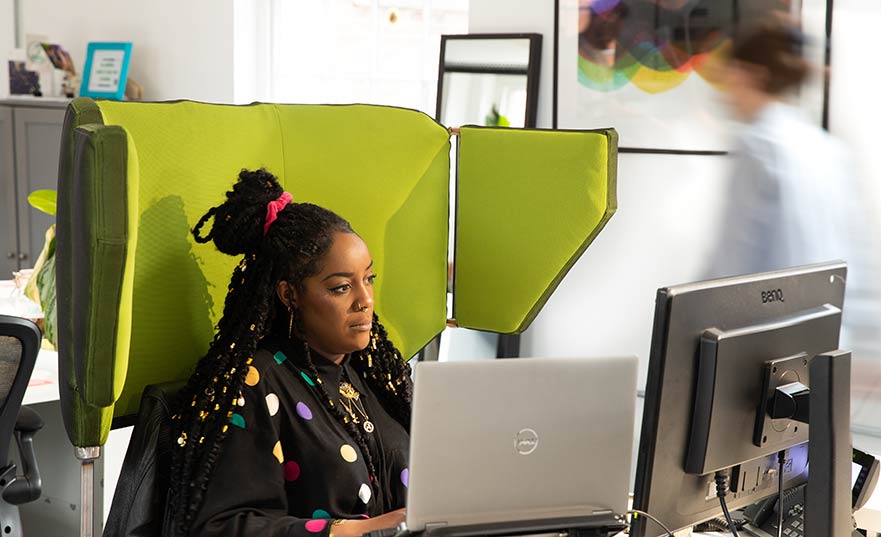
(80, 242)
(386, 170)
(97, 256)
(528, 203)
(103, 265)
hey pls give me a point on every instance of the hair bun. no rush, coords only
(238, 222)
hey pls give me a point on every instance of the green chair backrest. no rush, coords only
(138, 299)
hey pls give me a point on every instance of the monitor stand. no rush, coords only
(828, 500)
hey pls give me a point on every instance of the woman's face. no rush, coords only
(335, 306)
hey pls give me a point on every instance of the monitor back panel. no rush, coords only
(682, 314)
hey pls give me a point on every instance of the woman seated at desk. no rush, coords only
(296, 421)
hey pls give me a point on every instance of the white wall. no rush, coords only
(7, 42)
(7, 37)
(665, 221)
(181, 50)
(532, 16)
(252, 50)
(660, 235)
(855, 109)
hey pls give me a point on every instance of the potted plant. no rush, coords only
(41, 285)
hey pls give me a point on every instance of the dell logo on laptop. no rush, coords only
(526, 441)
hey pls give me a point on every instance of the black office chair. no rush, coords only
(19, 344)
(138, 508)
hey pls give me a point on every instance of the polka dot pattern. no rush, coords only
(316, 526)
(238, 420)
(272, 404)
(320, 513)
(348, 452)
(405, 477)
(253, 376)
(365, 493)
(279, 357)
(276, 450)
(306, 377)
(304, 411)
(292, 472)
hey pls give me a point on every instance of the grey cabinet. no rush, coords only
(30, 141)
(9, 220)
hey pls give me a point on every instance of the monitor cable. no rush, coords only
(781, 461)
(637, 512)
(721, 492)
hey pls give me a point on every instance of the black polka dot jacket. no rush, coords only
(288, 467)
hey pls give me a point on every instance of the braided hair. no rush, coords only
(292, 249)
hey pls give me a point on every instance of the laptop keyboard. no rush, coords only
(388, 532)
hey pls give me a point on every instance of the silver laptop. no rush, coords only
(520, 444)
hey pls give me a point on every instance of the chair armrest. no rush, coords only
(26, 487)
(28, 421)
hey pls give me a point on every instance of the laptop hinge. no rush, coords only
(431, 526)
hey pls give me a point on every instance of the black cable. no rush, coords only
(718, 524)
(781, 461)
(650, 517)
(721, 492)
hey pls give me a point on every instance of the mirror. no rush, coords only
(488, 79)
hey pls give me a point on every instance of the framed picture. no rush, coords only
(106, 70)
(650, 68)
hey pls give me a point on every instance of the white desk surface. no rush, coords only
(43, 385)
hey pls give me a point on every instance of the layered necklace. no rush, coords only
(351, 401)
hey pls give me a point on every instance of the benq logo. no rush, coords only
(526, 441)
(774, 295)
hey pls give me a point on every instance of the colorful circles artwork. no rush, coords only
(655, 45)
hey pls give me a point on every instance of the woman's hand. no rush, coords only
(357, 528)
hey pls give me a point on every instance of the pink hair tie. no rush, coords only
(274, 207)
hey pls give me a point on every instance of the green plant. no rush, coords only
(44, 200)
(41, 286)
(496, 119)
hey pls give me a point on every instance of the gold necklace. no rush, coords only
(351, 401)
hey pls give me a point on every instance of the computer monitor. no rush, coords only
(719, 349)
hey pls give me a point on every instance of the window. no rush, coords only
(360, 51)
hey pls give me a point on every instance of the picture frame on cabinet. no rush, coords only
(106, 70)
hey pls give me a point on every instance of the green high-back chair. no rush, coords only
(138, 298)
